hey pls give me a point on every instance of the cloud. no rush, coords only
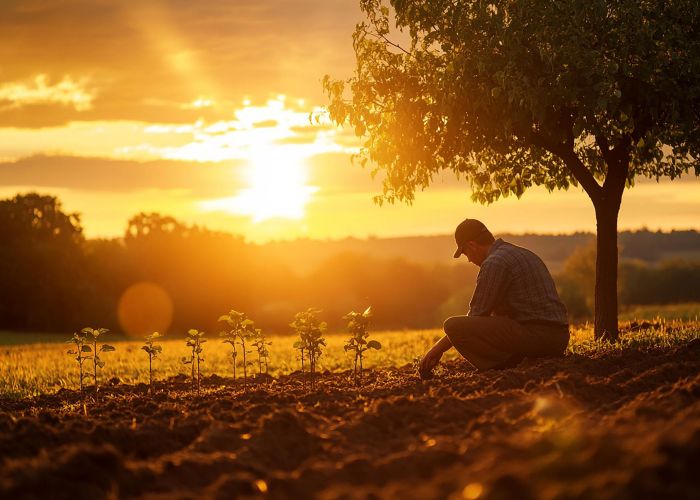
(39, 90)
(173, 61)
(123, 176)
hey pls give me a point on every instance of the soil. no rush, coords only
(623, 425)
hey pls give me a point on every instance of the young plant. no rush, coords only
(80, 353)
(237, 323)
(310, 330)
(299, 344)
(194, 341)
(247, 334)
(153, 350)
(260, 343)
(92, 334)
(358, 325)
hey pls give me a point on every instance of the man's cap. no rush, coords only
(468, 230)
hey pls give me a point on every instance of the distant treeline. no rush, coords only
(53, 279)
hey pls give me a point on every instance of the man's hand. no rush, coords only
(432, 358)
(429, 361)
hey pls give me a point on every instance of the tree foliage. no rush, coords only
(511, 94)
(41, 264)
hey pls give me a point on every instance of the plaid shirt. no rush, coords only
(514, 282)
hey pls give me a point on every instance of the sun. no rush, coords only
(277, 188)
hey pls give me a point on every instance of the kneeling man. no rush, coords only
(515, 311)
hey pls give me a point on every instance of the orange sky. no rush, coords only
(200, 110)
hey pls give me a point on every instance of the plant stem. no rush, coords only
(193, 382)
(198, 373)
(94, 361)
(360, 367)
(245, 371)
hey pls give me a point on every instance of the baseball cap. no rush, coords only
(468, 230)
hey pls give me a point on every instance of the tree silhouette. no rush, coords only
(41, 262)
(514, 94)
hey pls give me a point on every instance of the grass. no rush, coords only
(689, 311)
(30, 370)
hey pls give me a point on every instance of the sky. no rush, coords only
(200, 110)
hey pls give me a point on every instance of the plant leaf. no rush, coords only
(373, 344)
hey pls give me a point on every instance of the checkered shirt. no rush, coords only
(514, 282)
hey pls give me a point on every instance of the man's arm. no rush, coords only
(490, 282)
(432, 357)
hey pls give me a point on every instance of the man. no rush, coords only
(515, 310)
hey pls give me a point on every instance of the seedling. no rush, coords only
(358, 324)
(246, 334)
(153, 350)
(310, 330)
(260, 343)
(80, 353)
(237, 323)
(194, 341)
(300, 346)
(91, 334)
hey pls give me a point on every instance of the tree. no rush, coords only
(511, 94)
(42, 265)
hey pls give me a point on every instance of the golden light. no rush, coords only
(277, 188)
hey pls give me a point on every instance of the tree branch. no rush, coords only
(573, 163)
(378, 36)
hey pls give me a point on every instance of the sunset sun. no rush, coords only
(277, 188)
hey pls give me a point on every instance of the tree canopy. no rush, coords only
(511, 94)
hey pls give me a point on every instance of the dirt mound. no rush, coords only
(623, 425)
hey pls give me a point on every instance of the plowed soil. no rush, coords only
(624, 425)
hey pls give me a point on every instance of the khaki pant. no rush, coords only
(498, 342)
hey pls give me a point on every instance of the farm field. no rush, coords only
(602, 422)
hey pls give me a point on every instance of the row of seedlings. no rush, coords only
(240, 332)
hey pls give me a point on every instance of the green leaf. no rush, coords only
(101, 364)
(373, 344)
(107, 348)
(86, 348)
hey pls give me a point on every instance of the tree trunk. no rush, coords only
(606, 271)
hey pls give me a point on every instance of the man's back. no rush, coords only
(514, 282)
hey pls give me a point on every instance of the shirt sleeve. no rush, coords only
(490, 284)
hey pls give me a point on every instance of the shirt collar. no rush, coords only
(495, 245)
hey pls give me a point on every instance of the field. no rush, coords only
(604, 421)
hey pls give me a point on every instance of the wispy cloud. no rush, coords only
(39, 90)
(172, 61)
